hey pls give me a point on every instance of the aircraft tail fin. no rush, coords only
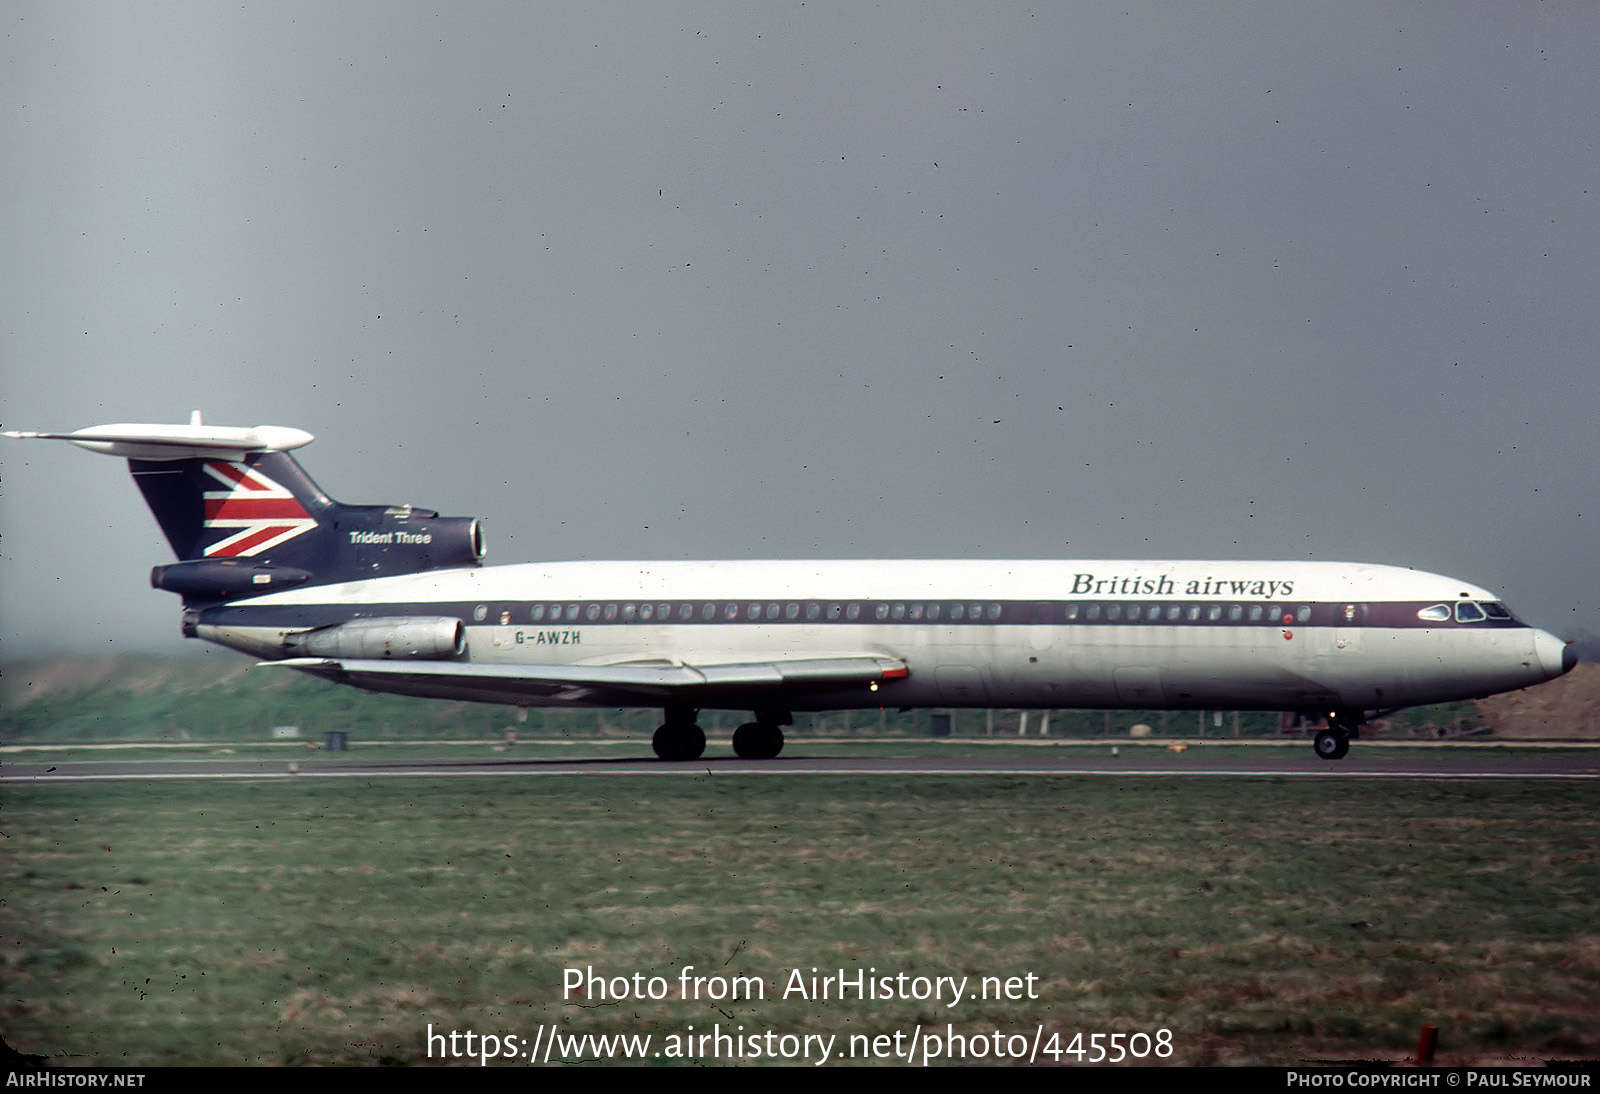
(244, 518)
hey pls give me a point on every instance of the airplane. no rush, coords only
(397, 599)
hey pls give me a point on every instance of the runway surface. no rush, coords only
(1441, 762)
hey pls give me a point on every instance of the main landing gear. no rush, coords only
(1334, 742)
(680, 739)
(761, 739)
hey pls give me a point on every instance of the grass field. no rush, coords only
(1258, 921)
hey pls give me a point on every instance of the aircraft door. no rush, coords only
(1347, 627)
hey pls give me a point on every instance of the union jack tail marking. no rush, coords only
(264, 513)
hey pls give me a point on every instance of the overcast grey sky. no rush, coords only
(1218, 280)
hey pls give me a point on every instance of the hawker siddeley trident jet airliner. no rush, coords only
(395, 599)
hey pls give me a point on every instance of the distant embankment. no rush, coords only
(212, 697)
(220, 697)
(1565, 708)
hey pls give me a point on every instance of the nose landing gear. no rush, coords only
(1331, 744)
(1334, 742)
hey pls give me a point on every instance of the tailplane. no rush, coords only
(244, 518)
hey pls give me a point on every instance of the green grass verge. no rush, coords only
(330, 923)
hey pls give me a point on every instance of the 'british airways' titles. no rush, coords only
(1163, 585)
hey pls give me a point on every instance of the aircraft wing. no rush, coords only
(657, 680)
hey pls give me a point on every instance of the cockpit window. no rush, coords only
(1468, 612)
(1495, 610)
(1436, 614)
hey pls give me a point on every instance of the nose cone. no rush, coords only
(1556, 658)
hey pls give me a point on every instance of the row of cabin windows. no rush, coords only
(771, 611)
(919, 612)
(979, 611)
(1194, 613)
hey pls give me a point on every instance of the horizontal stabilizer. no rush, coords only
(144, 441)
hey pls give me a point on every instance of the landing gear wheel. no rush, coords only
(757, 741)
(679, 741)
(1332, 745)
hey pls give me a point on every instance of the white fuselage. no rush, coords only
(1055, 634)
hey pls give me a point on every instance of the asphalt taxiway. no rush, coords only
(1441, 762)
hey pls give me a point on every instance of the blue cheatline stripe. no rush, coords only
(975, 612)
